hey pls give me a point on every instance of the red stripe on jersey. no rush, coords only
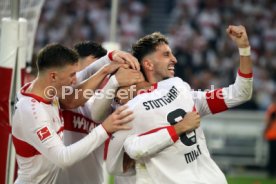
(248, 75)
(173, 133)
(216, 101)
(60, 130)
(77, 122)
(153, 130)
(24, 149)
(170, 129)
(106, 144)
(194, 109)
(155, 85)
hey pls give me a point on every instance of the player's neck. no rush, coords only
(153, 80)
(39, 87)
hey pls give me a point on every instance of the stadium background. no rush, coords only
(195, 28)
(196, 31)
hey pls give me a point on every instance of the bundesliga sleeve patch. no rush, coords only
(43, 133)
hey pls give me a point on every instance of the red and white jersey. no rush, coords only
(159, 153)
(37, 131)
(77, 124)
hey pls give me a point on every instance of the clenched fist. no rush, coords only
(238, 35)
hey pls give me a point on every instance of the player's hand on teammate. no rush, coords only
(118, 120)
(125, 58)
(111, 68)
(190, 122)
(238, 35)
(127, 77)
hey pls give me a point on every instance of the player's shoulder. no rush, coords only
(174, 81)
(136, 100)
(31, 108)
(27, 102)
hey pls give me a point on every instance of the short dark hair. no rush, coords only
(55, 56)
(88, 48)
(147, 45)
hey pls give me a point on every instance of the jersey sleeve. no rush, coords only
(40, 134)
(151, 142)
(92, 69)
(137, 146)
(219, 100)
(101, 105)
(115, 152)
(86, 108)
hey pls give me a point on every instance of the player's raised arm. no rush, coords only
(78, 95)
(92, 68)
(239, 36)
(101, 106)
(222, 99)
(116, 56)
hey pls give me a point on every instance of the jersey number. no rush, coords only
(186, 138)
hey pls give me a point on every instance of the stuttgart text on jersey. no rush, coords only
(160, 102)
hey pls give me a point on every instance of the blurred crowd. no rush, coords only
(70, 21)
(206, 57)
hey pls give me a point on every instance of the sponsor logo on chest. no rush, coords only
(82, 123)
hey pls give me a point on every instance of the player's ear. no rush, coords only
(147, 64)
(53, 76)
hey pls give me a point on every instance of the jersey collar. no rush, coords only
(37, 98)
(151, 89)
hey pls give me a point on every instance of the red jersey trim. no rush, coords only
(60, 130)
(23, 148)
(194, 109)
(108, 133)
(173, 133)
(110, 55)
(106, 144)
(248, 75)
(170, 129)
(37, 98)
(152, 88)
(215, 101)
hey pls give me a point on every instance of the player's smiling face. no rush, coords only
(163, 62)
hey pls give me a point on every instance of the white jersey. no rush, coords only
(161, 156)
(77, 124)
(185, 161)
(37, 131)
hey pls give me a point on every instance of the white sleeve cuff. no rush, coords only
(113, 81)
